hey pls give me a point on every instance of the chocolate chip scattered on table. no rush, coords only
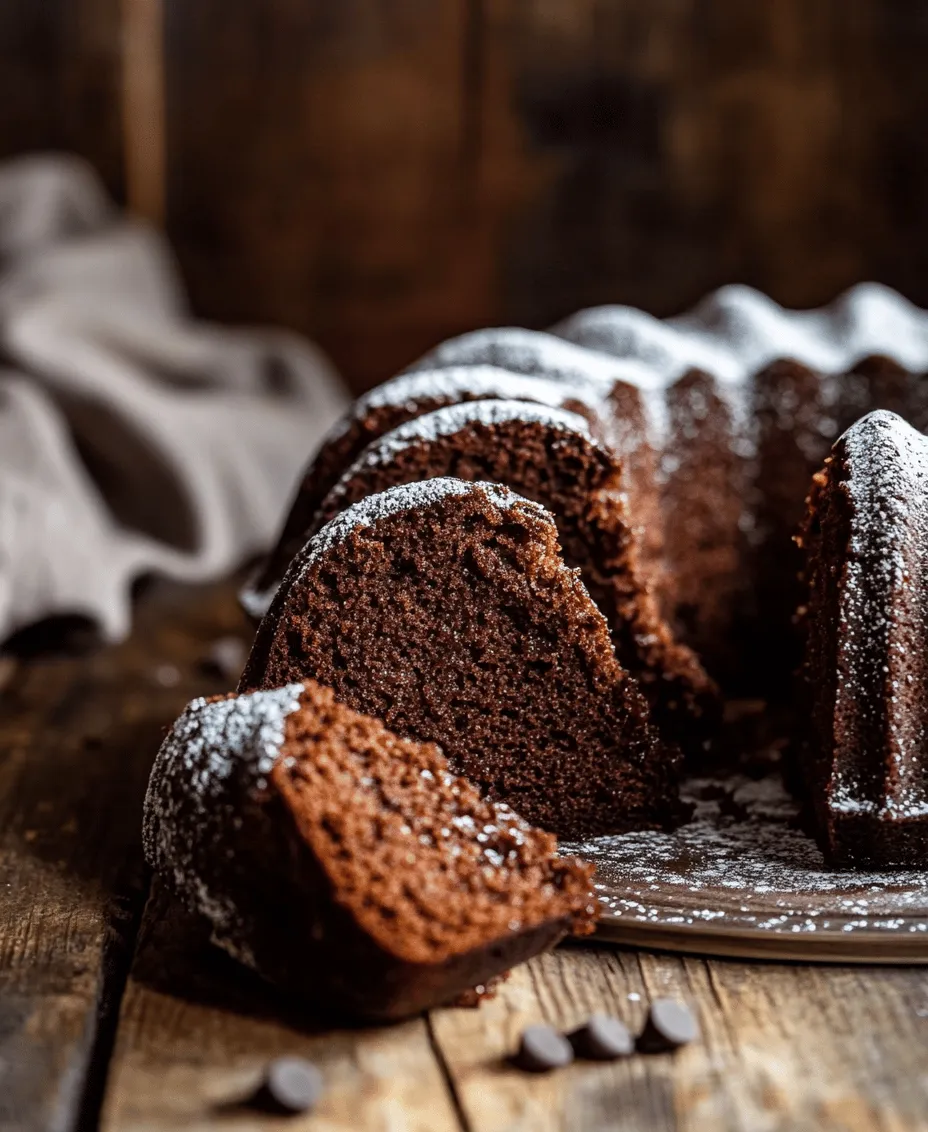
(602, 1038)
(291, 1086)
(669, 1025)
(542, 1048)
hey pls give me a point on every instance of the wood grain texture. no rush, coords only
(77, 737)
(383, 176)
(784, 1046)
(336, 134)
(196, 1033)
(142, 37)
(824, 1048)
(60, 79)
(698, 144)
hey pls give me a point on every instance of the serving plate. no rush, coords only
(742, 879)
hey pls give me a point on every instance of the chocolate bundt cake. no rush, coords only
(719, 418)
(389, 405)
(740, 401)
(549, 455)
(346, 864)
(444, 609)
(866, 667)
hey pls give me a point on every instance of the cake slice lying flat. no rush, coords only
(866, 662)
(444, 608)
(345, 864)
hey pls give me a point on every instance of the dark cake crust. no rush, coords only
(347, 865)
(444, 609)
(800, 412)
(864, 675)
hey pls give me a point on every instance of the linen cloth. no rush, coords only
(133, 439)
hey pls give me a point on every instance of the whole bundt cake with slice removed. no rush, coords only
(445, 609)
(389, 405)
(719, 417)
(549, 455)
(348, 865)
(865, 674)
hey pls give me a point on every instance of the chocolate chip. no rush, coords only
(543, 1048)
(670, 1024)
(602, 1039)
(291, 1085)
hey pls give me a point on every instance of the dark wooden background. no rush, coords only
(383, 173)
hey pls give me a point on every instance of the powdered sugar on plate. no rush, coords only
(743, 864)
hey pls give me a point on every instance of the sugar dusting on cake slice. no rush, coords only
(210, 742)
(534, 353)
(452, 419)
(313, 840)
(484, 381)
(405, 497)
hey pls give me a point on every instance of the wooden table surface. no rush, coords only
(115, 1013)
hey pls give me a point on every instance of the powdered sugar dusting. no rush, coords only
(883, 625)
(450, 383)
(452, 419)
(214, 752)
(741, 863)
(395, 500)
(548, 356)
(533, 352)
(882, 445)
(736, 331)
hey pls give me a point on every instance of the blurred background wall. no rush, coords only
(384, 173)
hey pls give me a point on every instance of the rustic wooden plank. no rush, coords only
(143, 107)
(381, 176)
(698, 144)
(60, 80)
(315, 169)
(783, 1047)
(196, 1032)
(77, 737)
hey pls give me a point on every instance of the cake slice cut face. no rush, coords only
(549, 455)
(445, 609)
(389, 405)
(348, 865)
(866, 662)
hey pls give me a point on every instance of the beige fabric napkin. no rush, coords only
(133, 439)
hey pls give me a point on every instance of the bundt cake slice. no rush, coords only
(549, 455)
(445, 609)
(346, 864)
(402, 399)
(865, 672)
